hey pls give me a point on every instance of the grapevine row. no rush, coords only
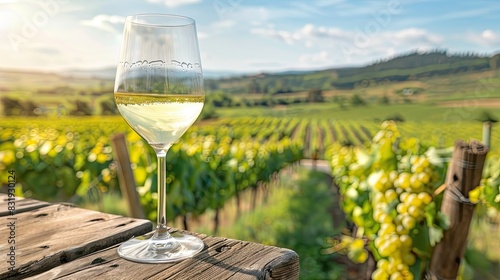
(388, 191)
(209, 165)
(68, 159)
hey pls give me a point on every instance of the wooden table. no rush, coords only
(46, 241)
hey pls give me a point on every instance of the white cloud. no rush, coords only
(486, 38)
(227, 23)
(258, 15)
(308, 33)
(489, 35)
(413, 36)
(202, 35)
(110, 23)
(353, 46)
(321, 58)
(359, 38)
(281, 35)
(243, 13)
(175, 3)
(221, 26)
(365, 46)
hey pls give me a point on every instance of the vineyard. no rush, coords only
(387, 192)
(69, 159)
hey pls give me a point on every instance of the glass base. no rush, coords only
(148, 249)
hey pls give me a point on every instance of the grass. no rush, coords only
(110, 202)
(294, 216)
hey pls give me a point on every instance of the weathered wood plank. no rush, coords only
(50, 236)
(21, 204)
(221, 259)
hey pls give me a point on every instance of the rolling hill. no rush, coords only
(404, 67)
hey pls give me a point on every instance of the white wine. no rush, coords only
(161, 119)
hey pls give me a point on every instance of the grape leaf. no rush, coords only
(477, 259)
(430, 213)
(421, 242)
(442, 220)
(435, 235)
(416, 269)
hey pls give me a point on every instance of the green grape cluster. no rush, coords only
(488, 192)
(356, 250)
(399, 204)
(387, 192)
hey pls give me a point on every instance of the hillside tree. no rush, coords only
(315, 95)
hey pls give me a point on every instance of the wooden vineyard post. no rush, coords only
(488, 121)
(126, 176)
(487, 133)
(463, 175)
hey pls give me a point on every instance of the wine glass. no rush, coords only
(159, 92)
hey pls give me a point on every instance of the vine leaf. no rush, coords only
(435, 235)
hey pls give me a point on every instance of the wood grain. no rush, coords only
(65, 242)
(22, 204)
(126, 175)
(463, 175)
(50, 236)
(221, 259)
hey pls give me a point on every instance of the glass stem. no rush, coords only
(161, 225)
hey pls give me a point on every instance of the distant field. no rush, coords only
(48, 89)
(14, 80)
(372, 112)
(52, 90)
(483, 103)
(458, 98)
(450, 100)
(433, 90)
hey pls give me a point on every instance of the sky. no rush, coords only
(249, 36)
